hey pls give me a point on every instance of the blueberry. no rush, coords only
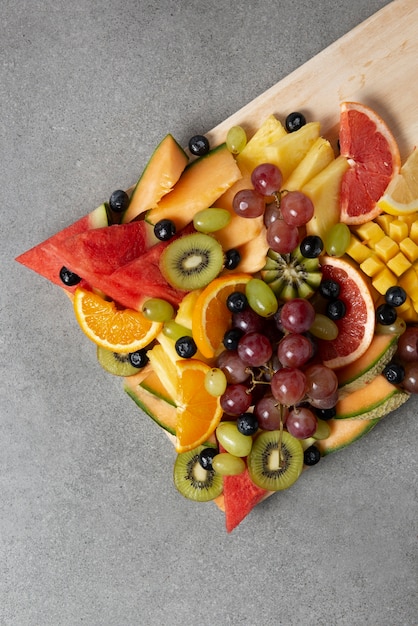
(118, 201)
(311, 246)
(69, 278)
(206, 457)
(386, 314)
(311, 456)
(395, 296)
(231, 338)
(247, 424)
(165, 229)
(199, 145)
(394, 373)
(329, 289)
(294, 121)
(326, 414)
(236, 302)
(335, 309)
(139, 358)
(186, 347)
(232, 258)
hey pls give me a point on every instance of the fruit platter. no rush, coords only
(256, 292)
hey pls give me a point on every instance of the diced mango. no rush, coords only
(384, 220)
(357, 250)
(384, 280)
(413, 231)
(399, 264)
(409, 249)
(370, 233)
(409, 282)
(372, 265)
(386, 248)
(398, 230)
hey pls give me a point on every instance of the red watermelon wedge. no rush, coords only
(240, 497)
(43, 258)
(101, 251)
(141, 278)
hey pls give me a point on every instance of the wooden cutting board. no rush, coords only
(376, 63)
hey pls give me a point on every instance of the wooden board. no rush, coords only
(376, 63)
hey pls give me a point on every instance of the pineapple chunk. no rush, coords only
(254, 152)
(319, 155)
(289, 151)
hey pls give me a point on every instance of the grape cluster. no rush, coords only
(289, 211)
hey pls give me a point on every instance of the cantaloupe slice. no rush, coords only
(363, 370)
(153, 385)
(162, 172)
(253, 253)
(200, 185)
(344, 433)
(376, 399)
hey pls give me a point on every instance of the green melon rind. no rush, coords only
(371, 371)
(161, 412)
(378, 409)
(158, 394)
(339, 440)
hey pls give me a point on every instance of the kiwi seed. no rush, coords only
(120, 364)
(192, 262)
(192, 480)
(267, 470)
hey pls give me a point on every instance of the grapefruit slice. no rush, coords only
(373, 155)
(356, 328)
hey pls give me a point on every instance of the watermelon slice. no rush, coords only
(141, 278)
(101, 251)
(240, 497)
(43, 258)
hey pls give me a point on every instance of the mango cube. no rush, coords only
(372, 265)
(399, 264)
(413, 231)
(409, 249)
(384, 220)
(357, 250)
(386, 248)
(398, 230)
(370, 233)
(384, 280)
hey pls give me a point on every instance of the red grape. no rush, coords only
(281, 237)
(269, 413)
(408, 345)
(234, 369)
(236, 399)
(321, 381)
(297, 315)
(288, 385)
(248, 203)
(294, 350)
(297, 209)
(254, 349)
(266, 179)
(410, 381)
(301, 423)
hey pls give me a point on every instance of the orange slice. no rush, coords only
(120, 330)
(198, 413)
(356, 327)
(373, 155)
(211, 318)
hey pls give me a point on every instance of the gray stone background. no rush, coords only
(91, 529)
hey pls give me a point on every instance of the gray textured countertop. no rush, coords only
(92, 530)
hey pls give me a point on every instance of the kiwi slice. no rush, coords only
(291, 275)
(192, 262)
(193, 481)
(273, 471)
(121, 364)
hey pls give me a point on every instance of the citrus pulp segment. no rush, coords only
(211, 318)
(356, 328)
(373, 155)
(198, 412)
(120, 330)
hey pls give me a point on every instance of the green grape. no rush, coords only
(232, 440)
(211, 220)
(158, 310)
(261, 297)
(397, 328)
(236, 139)
(324, 328)
(227, 464)
(323, 430)
(174, 331)
(337, 240)
(215, 382)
